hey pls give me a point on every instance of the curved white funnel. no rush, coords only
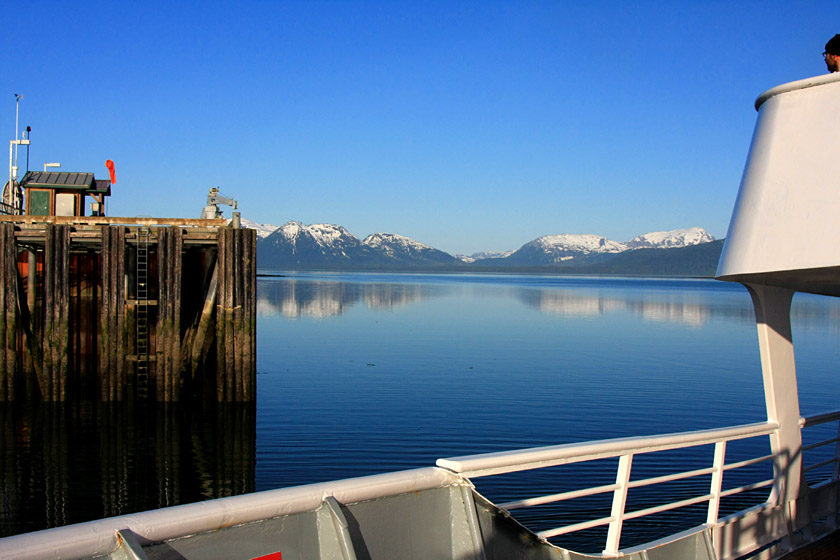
(785, 228)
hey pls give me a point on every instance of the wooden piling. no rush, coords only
(236, 316)
(112, 335)
(72, 324)
(168, 379)
(112, 295)
(122, 333)
(249, 305)
(104, 313)
(238, 295)
(8, 312)
(63, 310)
(221, 366)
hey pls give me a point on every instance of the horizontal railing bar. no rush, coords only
(511, 461)
(576, 527)
(817, 419)
(669, 477)
(666, 507)
(820, 464)
(747, 488)
(820, 443)
(817, 486)
(747, 462)
(561, 497)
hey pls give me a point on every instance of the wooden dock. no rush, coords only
(126, 308)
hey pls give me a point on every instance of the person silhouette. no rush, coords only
(832, 54)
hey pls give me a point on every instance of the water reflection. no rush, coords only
(67, 463)
(318, 298)
(690, 303)
(295, 298)
(685, 308)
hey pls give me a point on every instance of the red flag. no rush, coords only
(110, 165)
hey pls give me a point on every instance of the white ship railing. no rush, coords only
(626, 449)
(833, 461)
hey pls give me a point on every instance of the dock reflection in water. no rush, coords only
(67, 463)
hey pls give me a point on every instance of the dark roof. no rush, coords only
(66, 180)
(58, 180)
(103, 186)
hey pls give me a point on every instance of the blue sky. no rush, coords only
(468, 126)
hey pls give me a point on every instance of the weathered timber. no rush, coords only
(112, 340)
(56, 325)
(8, 297)
(236, 367)
(168, 380)
(198, 348)
(68, 328)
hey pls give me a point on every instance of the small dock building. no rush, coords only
(118, 309)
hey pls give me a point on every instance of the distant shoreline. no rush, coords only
(287, 272)
(696, 261)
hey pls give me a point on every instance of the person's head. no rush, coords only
(832, 54)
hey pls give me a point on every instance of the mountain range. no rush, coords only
(296, 246)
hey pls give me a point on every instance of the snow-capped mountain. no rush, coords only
(668, 239)
(405, 250)
(554, 249)
(296, 245)
(263, 230)
(569, 248)
(483, 255)
(331, 246)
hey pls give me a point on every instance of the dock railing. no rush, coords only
(625, 450)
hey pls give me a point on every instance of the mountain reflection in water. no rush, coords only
(324, 297)
(293, 298)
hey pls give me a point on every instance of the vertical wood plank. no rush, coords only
(49, 306)
(177, 264)
(228, 317)
(64, 311)
(239, 387)
(5, 374)
(121, 334)
(220, 317)
(104, 300)
(248, 295)
(160, 346)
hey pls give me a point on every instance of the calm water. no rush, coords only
(365, 373)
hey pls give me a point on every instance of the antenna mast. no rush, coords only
(11, 195)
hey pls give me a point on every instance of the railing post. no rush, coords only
(622, 480)
(717, 482)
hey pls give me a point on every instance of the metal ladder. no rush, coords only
(142, 312)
